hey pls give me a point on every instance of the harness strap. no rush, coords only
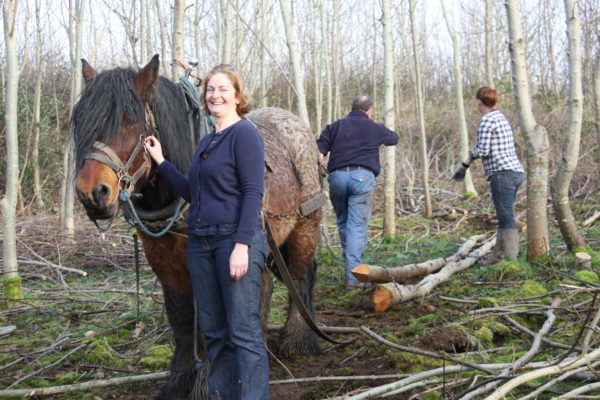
(114, 162)
(289, 283)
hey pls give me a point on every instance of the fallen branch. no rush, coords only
(391, 293)
(541, 372)
(552, 382)
(446, 370)
(591, 219)
(376, 273)
(531, 333)
(336, 378)
(574, 394)
(48, 263)
(535, 348)
(426, 353)
(82, 386)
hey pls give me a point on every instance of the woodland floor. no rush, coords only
(60, 307)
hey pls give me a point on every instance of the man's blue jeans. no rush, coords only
(351, 195)
(229, 313)
(504, 185)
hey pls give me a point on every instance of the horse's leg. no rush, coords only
(266, 291)
(180, 312)
(167, 257)
(297, 337)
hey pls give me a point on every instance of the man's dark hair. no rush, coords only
(362, 103)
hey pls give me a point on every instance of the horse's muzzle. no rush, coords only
(96, 202)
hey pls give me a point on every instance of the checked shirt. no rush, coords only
(495, 144)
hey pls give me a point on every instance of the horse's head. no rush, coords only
(109, 126)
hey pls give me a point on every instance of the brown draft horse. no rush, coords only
(113, 116)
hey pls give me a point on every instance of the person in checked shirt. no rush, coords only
(495, 146)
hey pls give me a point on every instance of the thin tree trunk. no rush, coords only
(568, 163)
(11, 281)
(35, 163)
(420, 112)
(228, 29)
(327, 61)
(178, 14)
(536, 140)
(68, 209)
(389, 188)
(316, 61)
(460, 107)
(292, 43)
(597, 99)
(163, 37)
(489, 57)
(142, 34)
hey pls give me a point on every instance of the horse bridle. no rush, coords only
(126, 181)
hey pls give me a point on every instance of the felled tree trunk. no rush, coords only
(392, 293)
(376, 273)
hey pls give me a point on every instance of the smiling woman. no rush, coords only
(227, 247)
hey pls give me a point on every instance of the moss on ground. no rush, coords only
(158, 357)
(588, 276)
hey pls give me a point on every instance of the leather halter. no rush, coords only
(126, 181)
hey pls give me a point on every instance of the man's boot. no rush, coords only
(511, 242)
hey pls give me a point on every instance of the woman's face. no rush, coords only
(221, 97)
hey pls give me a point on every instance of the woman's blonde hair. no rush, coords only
(234, 75)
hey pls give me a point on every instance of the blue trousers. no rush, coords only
(351, 194)
(229, 313)
(504, 186)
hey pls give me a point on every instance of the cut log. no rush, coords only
(388, 294)
(583, 260)
(376, 273)
(591, 219)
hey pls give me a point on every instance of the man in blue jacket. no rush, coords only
(353, 143)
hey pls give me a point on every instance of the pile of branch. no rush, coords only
(578, 363)
(392, 293)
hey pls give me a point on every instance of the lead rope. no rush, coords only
(136, 251)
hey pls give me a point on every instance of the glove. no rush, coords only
(461, 171)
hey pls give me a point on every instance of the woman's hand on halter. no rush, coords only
(154, 148)
(238, 261)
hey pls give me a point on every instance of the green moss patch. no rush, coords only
(159, 357)
(588, 276)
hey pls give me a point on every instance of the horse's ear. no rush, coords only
(87, 71)
(146, 78)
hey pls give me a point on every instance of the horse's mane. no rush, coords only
(110, 95)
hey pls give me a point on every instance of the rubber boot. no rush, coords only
(510, 238)
(496, 255)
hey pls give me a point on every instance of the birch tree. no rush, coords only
(178, 54)
(420, 112)
(37, 100)
(11, 281)
(163, 36)
(389, 190)
(227, 27)
(568, 163)
(292, 43)
(460, 107)
(597, 96)
(68, 184)
(489, 74)
(537, 148)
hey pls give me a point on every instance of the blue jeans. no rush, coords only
(229, 313)
(504, 185)
(351, 194)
